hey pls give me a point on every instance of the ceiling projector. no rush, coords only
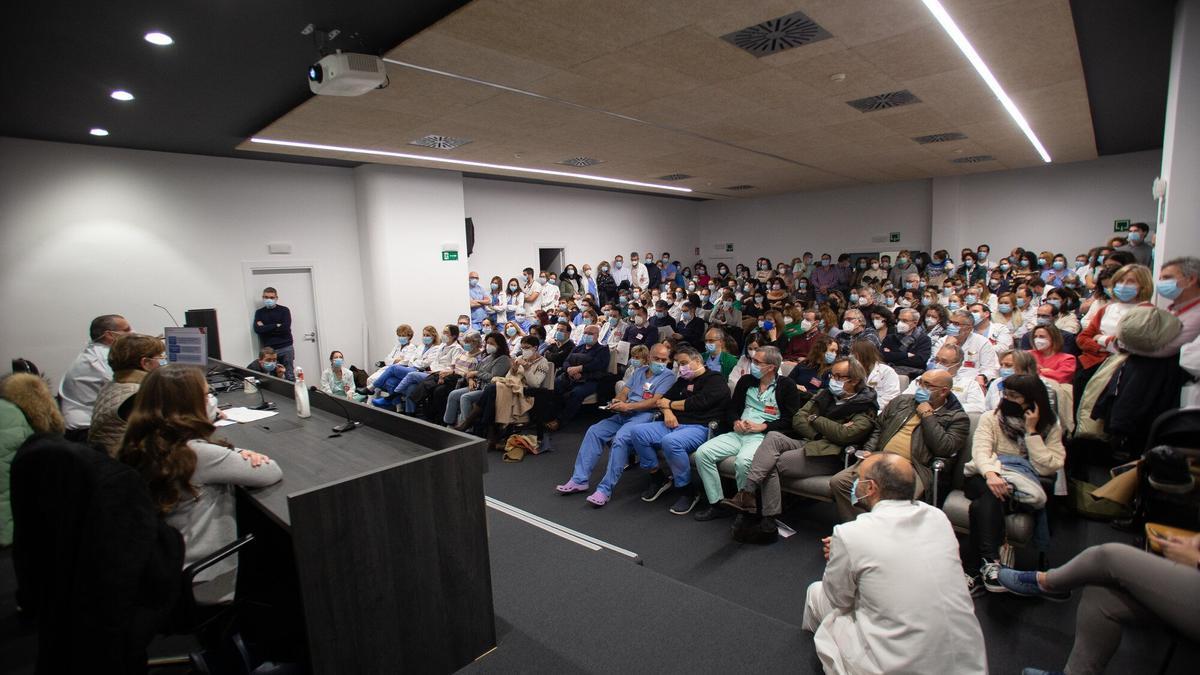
(346, 74)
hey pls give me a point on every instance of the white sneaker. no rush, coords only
(990, 571)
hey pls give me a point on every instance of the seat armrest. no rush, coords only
(380, 364)
(712, 428)
(190, 572)
(938, 465)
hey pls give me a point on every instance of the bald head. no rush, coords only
(937, 378)
(892, 474)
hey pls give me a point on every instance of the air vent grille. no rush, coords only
(739, 187)
(440, 142)
(675, 176)
(940, 138)
(973, 159)
(777, 35)
(580, 161)
(891, 99)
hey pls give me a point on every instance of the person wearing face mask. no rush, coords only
(824, 278)
(873, 274)
(479, 300)
(964, 383)
(855, 327)
(338, 379)
(131, 358)
(676, 303)
(607, 283)
(428, 398)
(907, 348)
(580, 376)
(776, 293)
(549, 295)
(764, 270)
(461, 410)
(1020, 436)
(404, 350)
(980, 359)
(440, 367)
(1047, 315)
(939, 268)
(494, 300)
(1047, 350)
(995, 333)
(557, 347)
(716, 358)
(800, 334)
(690, 329)
(388, 382)
(654, 275)
(634, 404)
(1138, 244)
(531, 295)
(273, 325)
(882, 321)
(639, 278)
(1055, 271)
(514, 302)
(670, 268)
(1022, 362)
(724, 310)
(971, 271)
(1179, 282)
(1132, 286)
(267, 363)
(897, 559)
(88, 373)
(836, 417)
(662, 317)
(698, 397)
(534, 372)
(639, 331)
(902, 269)
(926, 422)
(569, 283)
(812, 373)
(881, 377)
(763, 401)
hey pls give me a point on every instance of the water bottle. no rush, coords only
(302, 409)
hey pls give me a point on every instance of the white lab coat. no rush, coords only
(81, 384)
(402, 355)
(611, 335)
(531, 306)
(892, 599)
(979, 356)
(1000, 337)
(548, 300)
(638, 276)
(514, 307)
(966, 390)
(1189, 360)
(886, 383)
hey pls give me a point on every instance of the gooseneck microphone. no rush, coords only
(173, 320)
(350, 424)
(263, 403)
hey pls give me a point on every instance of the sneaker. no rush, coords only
(990, 571)
(571, 487)
(658, 485)
(975, 586)
(597, 499)
(381, 402)
(686, 502)
(713, 512)
(1026, 584)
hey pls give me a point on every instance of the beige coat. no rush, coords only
(1046, 455)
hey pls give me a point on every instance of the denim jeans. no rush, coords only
(676, 445)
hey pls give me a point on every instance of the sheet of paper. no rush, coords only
(224, 423)
(784, 530)
(244, 415)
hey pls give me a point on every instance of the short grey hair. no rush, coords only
(962, 314)
(1188, 266)
(771, 355)
(857, 372)
(958, 352)
(102, 324)
(912, 312)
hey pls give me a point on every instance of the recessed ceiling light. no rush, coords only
(951, 28)
(160, 39)
(463, 162)
(97, 131)
(122, 95)
(837, 77)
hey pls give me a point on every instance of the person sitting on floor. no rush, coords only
(884, 604)
(636, 400)
(838, 416)
(918, 427)
(698, 397)
(763, 401)
(1021, 436)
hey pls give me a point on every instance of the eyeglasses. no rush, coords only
(925, 384)
(839, 378)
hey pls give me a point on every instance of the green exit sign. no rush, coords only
(894, 237)
(449, 255)
(1120, 226)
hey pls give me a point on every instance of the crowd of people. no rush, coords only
(867, 371)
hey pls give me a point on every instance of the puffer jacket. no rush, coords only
(837, 423)
(942, 434)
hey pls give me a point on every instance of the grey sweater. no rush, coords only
(207, 521)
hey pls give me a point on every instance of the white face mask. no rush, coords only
(879, 324)
(1041, 343)
(903, 326)
(491, 349)
(529, 352)
(930, 321)
(806, 325)
(848, 325)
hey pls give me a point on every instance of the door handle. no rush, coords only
(310, 336)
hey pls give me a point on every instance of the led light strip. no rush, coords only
(463, 162)
(951, 28)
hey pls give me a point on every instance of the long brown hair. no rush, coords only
(168, 411)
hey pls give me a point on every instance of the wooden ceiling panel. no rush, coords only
(651, 89)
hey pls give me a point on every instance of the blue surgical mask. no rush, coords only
(767, 324)
(510, 331)
(977, 317)
(656, 367)
(1021, 302)
(635, 363)
(270, 303)
(427, 339)
(836, 387)
(921, 395)
(164, 361)
(401, 340)
(710, 347)
(952, 329)
(1006, 372)
(464, 327)
(854, 498)
(755, 370)
(269, 366)
(474, 283)
(587, 339)
(1041, 262)
(830, 357)
(685, 317)
(1005, 308)
(1168, 288)
(1135, 237)
(952, 306)
(337, 363)
(1125, 292)
(1055, 303)
(1059, 265)
(495, 287)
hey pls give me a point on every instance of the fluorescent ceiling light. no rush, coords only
(951, 28)
(97, 131)
(160, 39)
(122, 95)
(463, 162)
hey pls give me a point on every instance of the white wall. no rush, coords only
(1179, 233)
(405, 215)
(87, 230)
(512, 220)
(833, 221)
(1065, 208)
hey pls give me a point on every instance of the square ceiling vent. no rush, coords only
(973, 159)
(580, 161)
(440, 142)
(940, 138)
(891, 99)
(675, 176)
(777, 35)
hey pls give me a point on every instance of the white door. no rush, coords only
(295, 289)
